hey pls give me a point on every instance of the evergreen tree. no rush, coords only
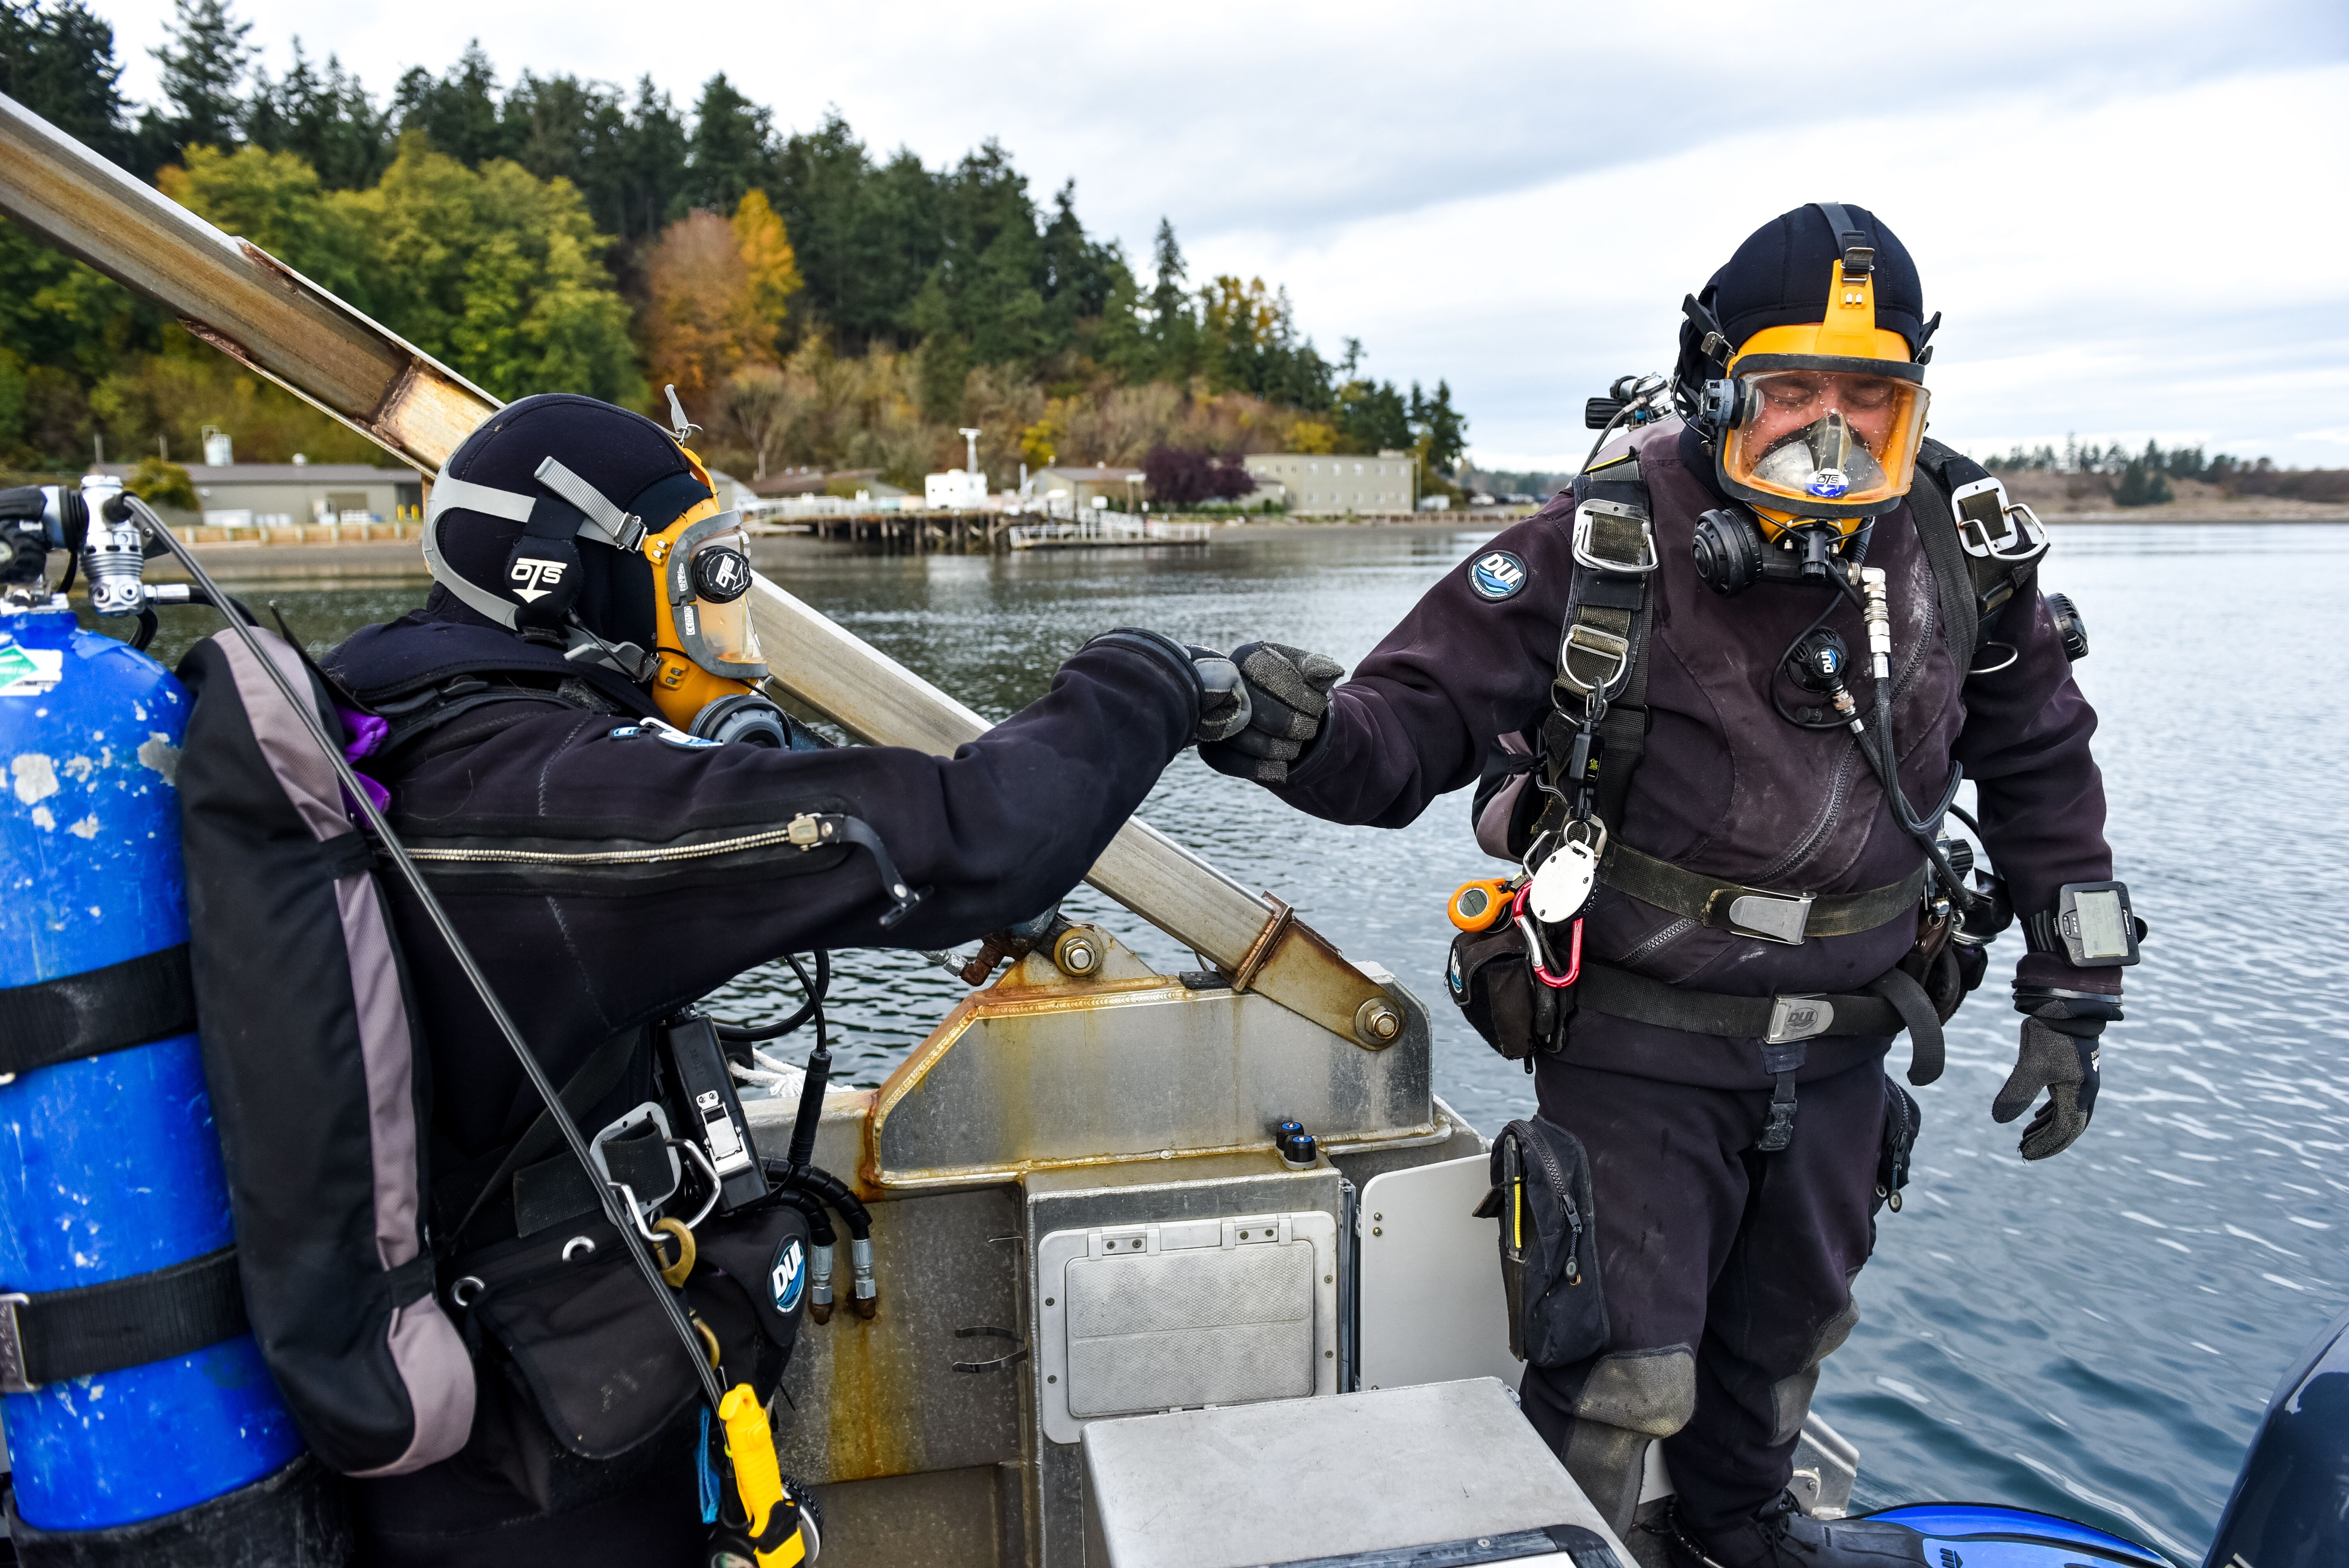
(732, 146)
(457, 111)
(563, 127)
(203, 63)
(2133, 491)
(59, 61)
(325, 117)
(1442, 429)
(1174, 329)
(652, 152)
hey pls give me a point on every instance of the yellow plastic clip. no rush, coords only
(758, 1478)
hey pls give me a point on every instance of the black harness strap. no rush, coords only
(150, 998)
(1974, 590)
(1713, 900)
(1602, 649)
(61, 1334)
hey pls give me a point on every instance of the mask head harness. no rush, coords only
(703, 667)
(1815, 415)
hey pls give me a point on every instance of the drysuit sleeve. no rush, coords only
(605, 873)
(2042, 799)
(1430, 703)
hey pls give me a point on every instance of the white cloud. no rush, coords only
(2126, 211)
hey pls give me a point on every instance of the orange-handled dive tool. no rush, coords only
(1480, 903)
(779, 1535)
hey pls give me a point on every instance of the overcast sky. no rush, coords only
(2134, 216)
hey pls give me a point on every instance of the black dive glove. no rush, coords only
(2060, 1054)
(1223, 695)
(1287, 694)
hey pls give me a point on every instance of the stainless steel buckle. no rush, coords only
(1582, 555)
(1768, 918)
(2025, 541)
(1798, 1019)
(12, 1345)
(1598, 644)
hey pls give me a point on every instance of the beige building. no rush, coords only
(1075, 489)
(282, 495)
(1327, 483)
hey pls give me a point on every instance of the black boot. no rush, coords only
(1783, 1536)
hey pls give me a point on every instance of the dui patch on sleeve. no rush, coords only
(1496, 574)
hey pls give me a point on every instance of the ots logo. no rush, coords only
(1497, 575)
(721, 575)
(535, 579)
(789, 1277)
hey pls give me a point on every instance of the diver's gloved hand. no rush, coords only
(1223, 695)
(1287, 696)
(2061, 1055)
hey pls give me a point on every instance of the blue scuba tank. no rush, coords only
(109, 1165)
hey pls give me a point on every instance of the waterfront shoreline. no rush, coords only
(387, 562)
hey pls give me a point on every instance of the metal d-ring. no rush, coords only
(577, 1246)
(2012, 654)
(1594, 834)
(460, 1295)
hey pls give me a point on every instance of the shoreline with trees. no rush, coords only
(814, 303)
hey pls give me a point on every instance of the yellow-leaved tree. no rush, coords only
(766, 255)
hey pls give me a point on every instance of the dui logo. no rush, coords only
(1497, 575)
(535, 579)
(789, 1277)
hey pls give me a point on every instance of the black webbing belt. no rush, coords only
(65, 1333)
(150, 998)
(1891, 1002)
(1754, 911)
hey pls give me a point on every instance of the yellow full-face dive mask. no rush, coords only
(708, 651)
(1821, 422)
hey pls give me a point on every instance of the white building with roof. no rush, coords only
(1327, 483)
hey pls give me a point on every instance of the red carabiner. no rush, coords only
(1538, 949)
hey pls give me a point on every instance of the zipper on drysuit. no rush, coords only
(808, 830)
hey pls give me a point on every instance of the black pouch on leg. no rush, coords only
(1549, 1243)
(1490, 978)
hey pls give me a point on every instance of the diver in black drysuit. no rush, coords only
(1727, 1273)
(574, 761)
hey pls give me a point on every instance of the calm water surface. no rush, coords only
(2095, 1335)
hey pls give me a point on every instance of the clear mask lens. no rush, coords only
(1826, 437)
(709, 582)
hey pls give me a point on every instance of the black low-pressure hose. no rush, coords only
(820, 1230)
(834, 1192)
(753, 1034)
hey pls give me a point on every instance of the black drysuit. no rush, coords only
(1726, 1273)
(628, 874)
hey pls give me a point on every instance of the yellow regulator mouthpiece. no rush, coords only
(776, 1538)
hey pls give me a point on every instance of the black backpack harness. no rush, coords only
(1592, 740)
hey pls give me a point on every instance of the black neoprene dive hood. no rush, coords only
(633, 462)
(1778, 278)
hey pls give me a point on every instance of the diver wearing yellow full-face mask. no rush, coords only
(1714, 699)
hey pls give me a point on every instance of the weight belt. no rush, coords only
(1889, 1004)
(1756, 912)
